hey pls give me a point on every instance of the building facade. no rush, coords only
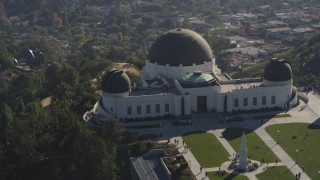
(180, 78)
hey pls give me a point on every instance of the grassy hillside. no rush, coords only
(304, 59)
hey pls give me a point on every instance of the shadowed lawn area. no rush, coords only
(257, 149)
(227, 176)
(206, 149)
(272, 116)
(276, 172)
(306, 141)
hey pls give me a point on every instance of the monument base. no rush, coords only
(242, 168)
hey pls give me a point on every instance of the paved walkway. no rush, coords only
(282, 155)
(209, 122)
(192, 161)
(224, 142)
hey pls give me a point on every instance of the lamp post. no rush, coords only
(278, 136)
(297, 156)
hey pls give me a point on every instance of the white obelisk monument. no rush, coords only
(243, 161)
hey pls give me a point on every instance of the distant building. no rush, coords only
(303, 30)
(302, 33)
(251, 51)
(197, 23)
(278, 32)
(237, 38)
(180, 78)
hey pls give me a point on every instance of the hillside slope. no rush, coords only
(304, 59)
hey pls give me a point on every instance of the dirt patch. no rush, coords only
(46, 102)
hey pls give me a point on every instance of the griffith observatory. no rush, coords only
(180, 78)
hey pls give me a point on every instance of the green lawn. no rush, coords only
(307, 141)
(227, 176)
(276, 172)
(206, 149)
(257, 149)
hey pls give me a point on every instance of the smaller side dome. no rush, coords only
(116, 81)
(277, 70)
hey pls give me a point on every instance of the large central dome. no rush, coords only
(180, 46)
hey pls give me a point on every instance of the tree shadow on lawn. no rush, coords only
(314, 126)
(231, 176)
(193, 132)
(289, 169)
(233, 133)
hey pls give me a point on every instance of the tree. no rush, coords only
(70, 75)
(112, 132)
(151, 7)
(7, 117)
(5, 23)
(2, 10)
(24, 85)
(148, 21)
(57, 21)
(167, 24)
(19, 106)
(119, 36)
(6, 59)
(88, 51)
(52, 76)
(65, 93)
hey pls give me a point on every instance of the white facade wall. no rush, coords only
(151, 70)
(281, 94)
(118, 104)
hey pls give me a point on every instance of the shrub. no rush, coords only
(255, 165)
(251, 168)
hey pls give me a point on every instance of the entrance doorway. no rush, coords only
(202, 104)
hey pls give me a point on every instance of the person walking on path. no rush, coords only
(200, 168)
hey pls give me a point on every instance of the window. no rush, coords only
(236, 102)
(111, 109)
(148, 109)
(264, 100)
(254, 101)
(138, 109)
(157, 108)
(166, 108)
(273, 99)
(129, 110)
(245, 102)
